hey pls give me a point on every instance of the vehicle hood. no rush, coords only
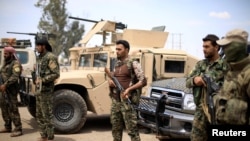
(173, 83)
(82, 77)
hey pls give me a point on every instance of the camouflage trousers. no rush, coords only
(44, 115)
(10, 112)
(122, 113)
(200, 125)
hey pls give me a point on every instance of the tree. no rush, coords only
(54, 20)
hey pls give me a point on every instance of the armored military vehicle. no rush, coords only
(84, 87)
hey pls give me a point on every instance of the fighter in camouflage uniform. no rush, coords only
(121, 112)
(10, 73)
(233, 100)
(215, 67)
(49, 72)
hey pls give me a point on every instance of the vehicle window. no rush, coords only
(174, 66)
(100, 60)
(22, 56)
(112, 63)
(85, 60)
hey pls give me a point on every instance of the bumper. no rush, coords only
(169, 124)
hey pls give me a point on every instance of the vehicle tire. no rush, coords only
(32, 105)
(69, 111)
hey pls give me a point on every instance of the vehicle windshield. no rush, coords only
(85, 60)
(100, 60)
(22, 56)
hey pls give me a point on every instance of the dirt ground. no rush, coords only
(95, 129)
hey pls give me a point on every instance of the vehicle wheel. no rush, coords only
(69, 111)
(32, 105)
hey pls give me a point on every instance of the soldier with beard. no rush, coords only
(214, 66)
(48, 71)
(10, 73)
(122, 112)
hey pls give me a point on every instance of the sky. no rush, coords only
(187, 21)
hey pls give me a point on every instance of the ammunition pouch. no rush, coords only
(135, 96)
(232, 111)
(115, 94)
(197, 96)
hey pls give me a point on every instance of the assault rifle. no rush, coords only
(119, 88)
(37, 35)
(35, 75)
(211, 87)
(6, 94)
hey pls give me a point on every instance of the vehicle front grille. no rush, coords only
(174, 97)
(148, 105)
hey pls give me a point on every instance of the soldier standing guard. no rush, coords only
(48, 72)
(121, 111)
(10, 73)
(233, 100)
(214, 66)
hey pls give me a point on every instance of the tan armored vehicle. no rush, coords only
(84, 87)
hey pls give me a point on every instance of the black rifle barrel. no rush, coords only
(87, 20)
(33, 34)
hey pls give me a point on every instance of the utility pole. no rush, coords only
(178, 43)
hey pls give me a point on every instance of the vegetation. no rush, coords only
(55, 20)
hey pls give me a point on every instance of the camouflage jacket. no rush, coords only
(235, 93)
(10, 72)
(215, 70)
(49, 70)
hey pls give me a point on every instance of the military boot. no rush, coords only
(16, 133)
(4, 130)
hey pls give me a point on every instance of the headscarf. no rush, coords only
(11, 50)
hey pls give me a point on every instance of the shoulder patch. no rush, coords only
(17, 69)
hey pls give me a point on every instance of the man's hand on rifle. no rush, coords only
(3, 88)
(198, 81)
(38, 81)
(125, 94)
(111, 83)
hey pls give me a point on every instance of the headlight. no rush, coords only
(188, 102)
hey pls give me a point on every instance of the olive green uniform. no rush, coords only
(10, 74)
(49, 72)
(216, 71)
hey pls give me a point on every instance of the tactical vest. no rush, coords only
(126, 76)
(232, 103)
(122, 73)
